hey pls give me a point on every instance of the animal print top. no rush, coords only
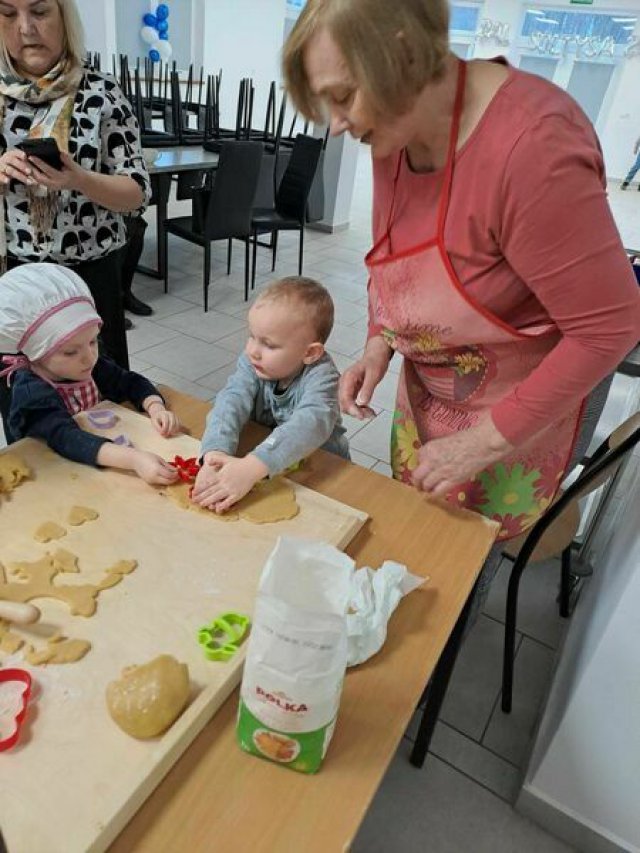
(104, 138)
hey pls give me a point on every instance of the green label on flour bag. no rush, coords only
(302, 751)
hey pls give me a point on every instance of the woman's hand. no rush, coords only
(70, 177)
(14, 165)
(447, 462)
(359, 381)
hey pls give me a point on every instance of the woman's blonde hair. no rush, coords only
(393, 48)
(73, 33)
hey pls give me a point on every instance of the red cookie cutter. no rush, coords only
(8, 675)
(187, 468)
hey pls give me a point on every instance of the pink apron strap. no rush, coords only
(445, 193)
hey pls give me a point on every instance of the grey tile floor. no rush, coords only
(461, 799)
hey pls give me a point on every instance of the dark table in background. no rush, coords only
(171, 161)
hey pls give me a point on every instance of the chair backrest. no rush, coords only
(293, 192)
(603, 464)
(231, 200)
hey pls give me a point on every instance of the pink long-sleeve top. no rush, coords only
(531, 236)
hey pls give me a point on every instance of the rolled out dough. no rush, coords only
(146, 699)
(36, 581)
(12, 471)
(59, 649)
(269, 501)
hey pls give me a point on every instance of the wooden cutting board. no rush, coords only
(75, 778)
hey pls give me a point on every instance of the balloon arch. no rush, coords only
(155, 31)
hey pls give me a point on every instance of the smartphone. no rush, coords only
(46, 149)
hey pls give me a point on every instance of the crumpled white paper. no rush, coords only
(374, 597)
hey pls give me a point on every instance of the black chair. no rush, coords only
(289, 211)
(223, 212)
(554, 534)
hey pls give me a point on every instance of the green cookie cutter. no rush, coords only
(221, 638)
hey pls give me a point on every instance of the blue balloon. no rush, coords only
(163, 26)
(162, 12)
(150, 20)
(154, 56)
(164, 36)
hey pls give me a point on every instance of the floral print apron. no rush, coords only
(459, 361)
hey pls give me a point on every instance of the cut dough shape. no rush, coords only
(115, 574)
(9, 642)
(269, 501)
(48, 531)
(59, 649)
(65, 561)
(146, 699)
(79, 514)
(38, 577)
(13, 471)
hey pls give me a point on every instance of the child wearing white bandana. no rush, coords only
(48, 319)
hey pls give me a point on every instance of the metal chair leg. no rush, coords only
(438, 687)
(165, 240)
(246, 269)
(565, 582)
(509, 652)
(274, 249)
(253, 266)
(301, 250)
(207, 274)
(229, 249)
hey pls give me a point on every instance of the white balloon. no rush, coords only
(153, 5)
(149, 35)
(164, 49)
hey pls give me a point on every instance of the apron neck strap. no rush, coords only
(451, 156)
(445, 192)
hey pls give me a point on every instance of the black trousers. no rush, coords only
(103, 278)
(136, 226)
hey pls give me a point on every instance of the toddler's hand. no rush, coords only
(231, 482)
(206, 477)
(154, 469)
(164, 421)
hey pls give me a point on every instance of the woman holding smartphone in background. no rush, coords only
(46, 90)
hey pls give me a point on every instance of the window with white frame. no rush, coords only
(579, 50)
(463, 24)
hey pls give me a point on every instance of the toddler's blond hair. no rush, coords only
(307, 295)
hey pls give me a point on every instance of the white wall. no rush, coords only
(99, 22)
(244, 38)
(583, 782)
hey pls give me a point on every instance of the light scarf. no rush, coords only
(55, 93)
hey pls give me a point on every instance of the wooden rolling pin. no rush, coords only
(14, 611)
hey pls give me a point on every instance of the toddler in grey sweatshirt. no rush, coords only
(284, 379)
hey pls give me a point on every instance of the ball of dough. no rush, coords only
(148, 698)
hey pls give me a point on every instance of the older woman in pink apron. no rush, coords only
(496, 271)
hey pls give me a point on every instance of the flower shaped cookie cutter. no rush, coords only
(221, 638)
(7, 676)
(187, 468)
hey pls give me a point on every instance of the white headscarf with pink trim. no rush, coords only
(41, 306)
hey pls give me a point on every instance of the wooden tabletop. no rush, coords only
(217, 797)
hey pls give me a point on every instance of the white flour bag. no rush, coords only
(297, 654)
